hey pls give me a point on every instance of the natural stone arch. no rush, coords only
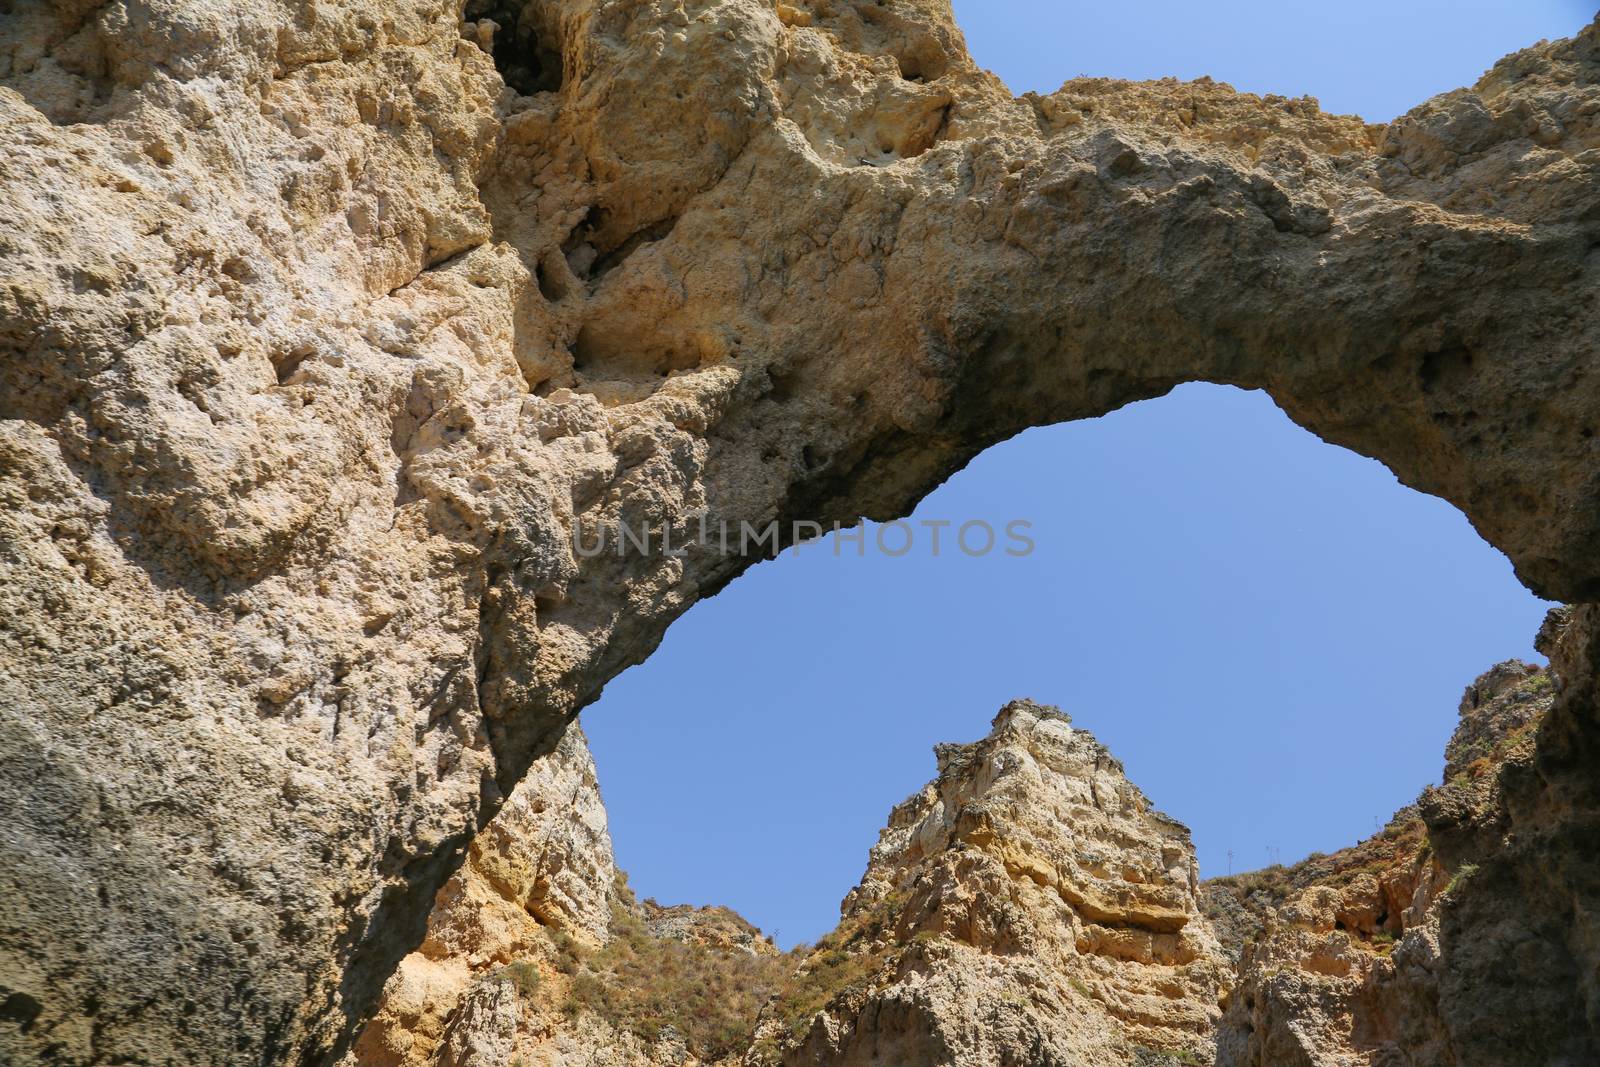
(319, 341)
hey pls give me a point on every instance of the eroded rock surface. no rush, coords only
(322, 326)
(540, 877)
(1356, 959)
(1027, 906)
(538, 953)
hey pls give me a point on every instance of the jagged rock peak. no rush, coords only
(1032, 791)
(1028, 905)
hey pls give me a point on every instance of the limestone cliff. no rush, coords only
(325, 324)
(1027, 906)
(1346, 959)
(539, 877)
(538, 953)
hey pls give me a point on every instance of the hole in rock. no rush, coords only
(578, 247)
(286, 364)
(521, 46)
(1270, 632)
(614, 258)
(1292, 52)
(20, 1009)
(551, 280)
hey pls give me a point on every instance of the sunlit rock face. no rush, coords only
(541, 875)
(1027, 906)
(1376, 955)
(538, 953)
(323, 326)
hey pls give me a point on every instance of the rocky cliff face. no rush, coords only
(537, 952)
(1349, 960)
(539, 877)
(1027, 906)
(323, 326)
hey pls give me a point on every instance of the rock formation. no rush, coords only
(540, 876)
(1028, 906)
(1347, 959)
(537, 952)
(324, 326)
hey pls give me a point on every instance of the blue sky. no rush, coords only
(1376, 60)
(1270, 632)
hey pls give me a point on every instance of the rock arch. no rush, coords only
(318, 346)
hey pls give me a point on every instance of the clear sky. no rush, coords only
(1363, 57)
(1270, 632)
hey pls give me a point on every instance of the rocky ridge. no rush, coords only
(1026, 906)
(323, 326)
(1342, 957)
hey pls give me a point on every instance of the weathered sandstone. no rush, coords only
(1028, 906)
(540, 874)
(1356, 959)
(318, 339)
(531, 952)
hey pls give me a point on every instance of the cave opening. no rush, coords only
(522, 47)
